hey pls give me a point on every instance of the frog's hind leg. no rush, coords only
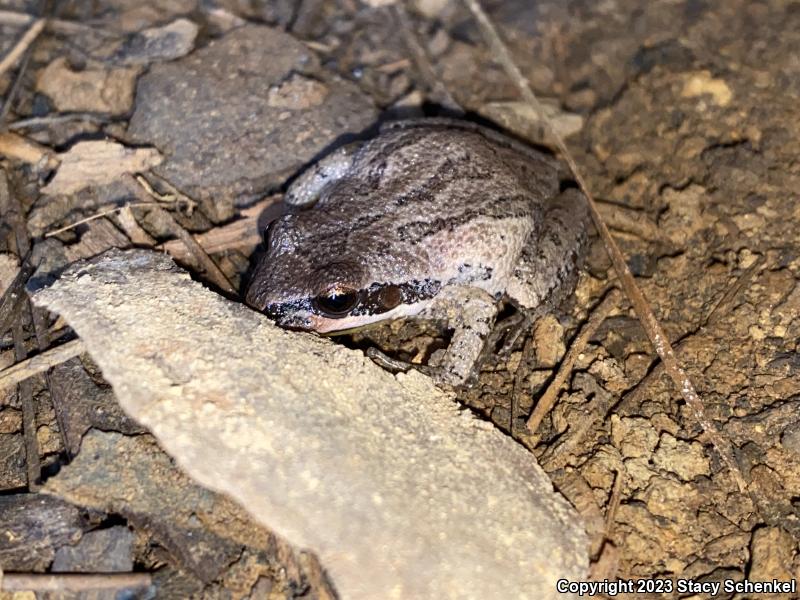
(547, 270)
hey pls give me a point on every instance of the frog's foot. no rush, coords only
(385, 361)
(395, 365)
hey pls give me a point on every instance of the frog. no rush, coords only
(432, 218)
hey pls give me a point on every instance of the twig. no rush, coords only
(13, 18)
(437, 90)
(55, 120)
(548, 399)
(41, 362)
(18, 147)
(241, 234)
(719, 309)
(614, 500)
(607, 556)
(174, 193)
(213, 272)
(134, 231)
(25, 391)
(11, 95)
(22, 45)
(646, 316)
(99, 215)
(72, 582)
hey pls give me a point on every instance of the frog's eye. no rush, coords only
(337, 302)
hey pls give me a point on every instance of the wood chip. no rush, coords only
(17, 147)
(98, 162)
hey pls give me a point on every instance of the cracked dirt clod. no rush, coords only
(399, 493)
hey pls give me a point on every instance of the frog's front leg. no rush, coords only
(471, 313)
(307, 188)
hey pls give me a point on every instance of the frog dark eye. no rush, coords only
(337, 302)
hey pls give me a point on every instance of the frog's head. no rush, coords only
(311, 279)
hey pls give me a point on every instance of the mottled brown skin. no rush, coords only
(434, 218)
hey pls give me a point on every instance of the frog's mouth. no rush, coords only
(352, 323)
(378, 302)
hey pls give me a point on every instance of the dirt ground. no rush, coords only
(684, 117)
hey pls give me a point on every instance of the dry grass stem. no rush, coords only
(20, 19)
(71, 582)
(10, 59)
(99, 215)
(40, 363)
(32, 122)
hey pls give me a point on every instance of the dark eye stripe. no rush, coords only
(373, 300)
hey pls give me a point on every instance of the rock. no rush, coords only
(702, 84)
(687, 460)
(32, 527)
(171, 41)
(548, 341)
(101, 551)
(242, 114)
(133, 477)
(399, 492)
(522, 119)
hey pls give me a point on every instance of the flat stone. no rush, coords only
(33, 527)
(131, 476)
(399, 492)
(103, 551)
(84, 404)
(243, 113)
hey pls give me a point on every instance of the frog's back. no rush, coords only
(445, 167)
(464, 198)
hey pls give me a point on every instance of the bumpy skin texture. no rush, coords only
(434, 218)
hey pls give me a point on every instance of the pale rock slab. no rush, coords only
(400, 493)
